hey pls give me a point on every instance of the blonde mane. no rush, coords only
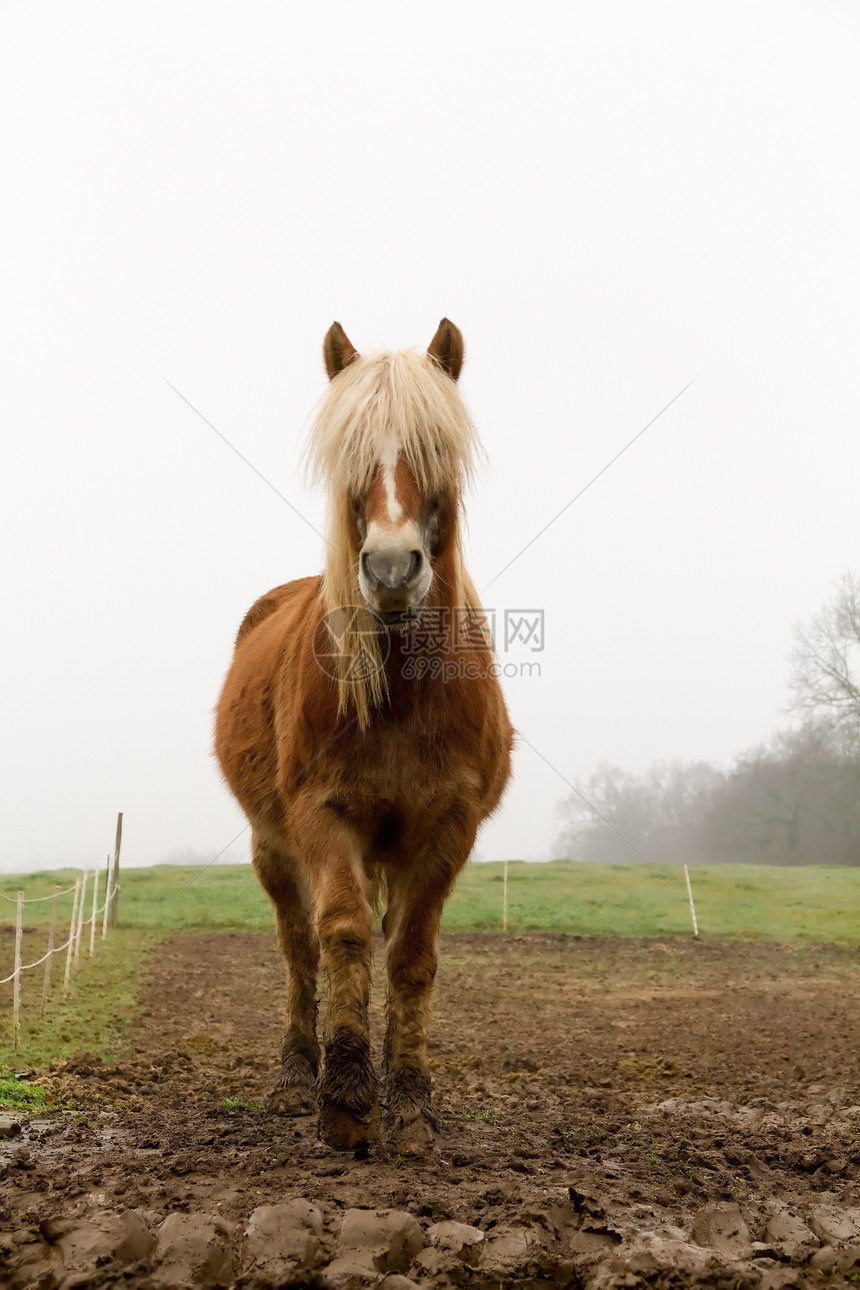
(383, 406)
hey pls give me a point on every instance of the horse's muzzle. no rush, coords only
(399, 617)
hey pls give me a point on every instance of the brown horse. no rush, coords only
(363, 731)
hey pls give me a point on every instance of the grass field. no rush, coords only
(94, 1017)
(745, 901)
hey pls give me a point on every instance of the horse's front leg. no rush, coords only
(348, 1089)
(295, 1090)
(416, 896)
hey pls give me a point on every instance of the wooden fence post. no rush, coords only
(80, 925)
(107, 898)
(114, 908)
(16, 983)
(47, 979)
(505, 898)
(93, 914)
(71, 943)
(692, 906)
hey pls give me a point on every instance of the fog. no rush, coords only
(610, 201)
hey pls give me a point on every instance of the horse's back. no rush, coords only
(299, 593)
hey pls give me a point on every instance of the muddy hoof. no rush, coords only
(344, 1130)
(415, 1136)
(292, 1100)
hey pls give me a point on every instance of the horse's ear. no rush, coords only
(447, 348)
(338, 350)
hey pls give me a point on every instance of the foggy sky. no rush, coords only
(608, 200)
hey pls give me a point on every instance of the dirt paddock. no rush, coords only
(615, 1113)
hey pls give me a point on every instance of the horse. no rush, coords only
(363, 731)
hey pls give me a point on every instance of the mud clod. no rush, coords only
(9, 1127)
(722, 1228)
(460, 1239)
(374, 1241)
(194, 1249)
(282, 1238)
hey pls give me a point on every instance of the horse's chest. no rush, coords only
(399, 766)
(406, 768)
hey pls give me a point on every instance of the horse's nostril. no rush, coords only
(369, 575)
(415, 563)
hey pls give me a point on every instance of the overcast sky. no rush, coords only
(608, 199)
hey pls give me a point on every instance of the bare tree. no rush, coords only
(792, 800)
(658, 812)
(825, 662)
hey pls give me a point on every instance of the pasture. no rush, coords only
(750, 902)
(612, 1093)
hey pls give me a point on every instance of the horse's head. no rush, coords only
(403, 501)
(394, 445)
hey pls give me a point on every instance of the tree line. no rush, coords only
(794, 799)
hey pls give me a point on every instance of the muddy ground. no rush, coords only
(614, 1114)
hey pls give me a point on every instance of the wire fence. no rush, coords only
(98, 906)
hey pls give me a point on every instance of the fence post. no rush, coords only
(505, 898)
(16, 983)
(107, 898)
(71, 942)
(114, 909)
(80, 918)
(692, 906)
(93, 914)
(47, 979)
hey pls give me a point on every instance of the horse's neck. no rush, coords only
(416, 659)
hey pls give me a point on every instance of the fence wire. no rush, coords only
(58, 949)
(34, 900)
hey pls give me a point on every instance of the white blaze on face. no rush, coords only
(391, 543)
(389, 483)
(391, 538)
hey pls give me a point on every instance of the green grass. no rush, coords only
(162, 897)
(754, 902)
(17, 1095)
(488, 1117)
(95, 1017)
(243, 1104)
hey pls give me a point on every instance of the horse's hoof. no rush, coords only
(344, 1131)
(415, 1137)
(292, 1100)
